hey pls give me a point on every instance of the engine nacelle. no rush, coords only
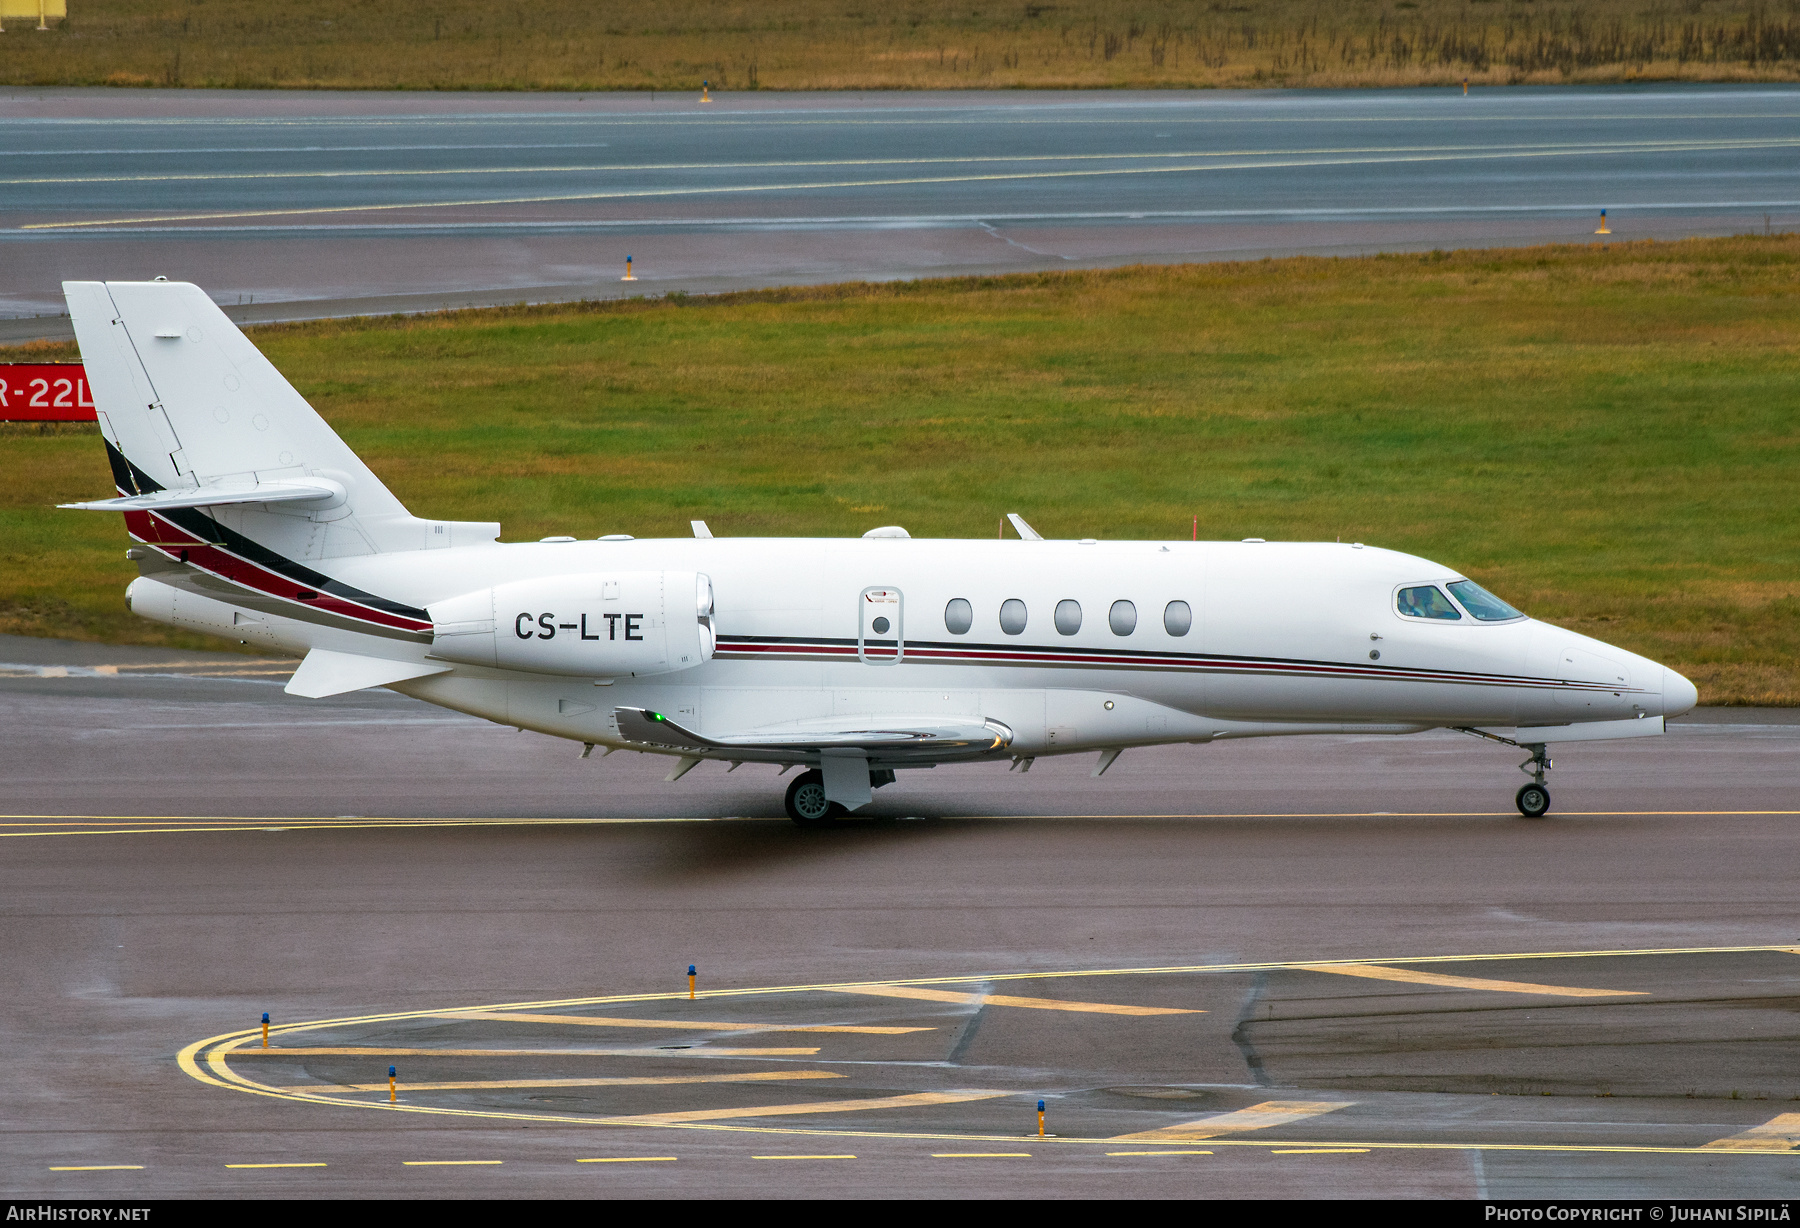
(596, 625)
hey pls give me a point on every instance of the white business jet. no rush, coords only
(849, 659)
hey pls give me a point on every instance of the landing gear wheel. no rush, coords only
(806, 803)
(1533, 801)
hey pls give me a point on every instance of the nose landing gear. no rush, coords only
(1533, 800)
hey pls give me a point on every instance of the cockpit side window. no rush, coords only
(1425, 601)
(1481, 603)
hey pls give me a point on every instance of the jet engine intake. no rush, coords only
(595, 625)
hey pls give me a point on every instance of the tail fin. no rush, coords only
(190, 407)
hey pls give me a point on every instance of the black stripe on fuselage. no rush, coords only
(196, 521)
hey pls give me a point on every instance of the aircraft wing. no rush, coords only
(929, 740)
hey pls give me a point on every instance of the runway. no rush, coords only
(291, 205)
(1313, 967)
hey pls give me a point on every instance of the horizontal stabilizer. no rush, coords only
(214, 496)
(1591, 731)
(334, 673)
(931, 741)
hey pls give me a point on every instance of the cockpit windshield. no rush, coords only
(1481, 603)
(1426, 601)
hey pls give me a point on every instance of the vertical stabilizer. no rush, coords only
(186, 402)
(190, 401)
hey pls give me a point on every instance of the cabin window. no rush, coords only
(1122, 618)
(1481, 603)
(1426, 601)
(1068, 616)
(1178, 619)
(1012, 616)
(958, 616)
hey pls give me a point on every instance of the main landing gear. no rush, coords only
(1533, 800)
(808, 806)
(806, 802)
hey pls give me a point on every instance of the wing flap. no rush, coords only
(925, 739)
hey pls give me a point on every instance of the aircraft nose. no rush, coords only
(1679, 695)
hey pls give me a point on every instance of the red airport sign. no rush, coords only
(45, 392)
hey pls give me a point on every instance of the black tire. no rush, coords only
(1533, 801)
(806, 803)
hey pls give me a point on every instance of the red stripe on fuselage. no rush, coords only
(174, 541)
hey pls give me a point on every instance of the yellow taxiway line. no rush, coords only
(377, 1051)
(94, 1168)
(1415, 977)
(597, 1021)
(1781, 1133)
(136, 825)
(912, 1100)
(761, 1076)
(978, 978)
(999, 999)
(1256, 1117)
(215, 1050)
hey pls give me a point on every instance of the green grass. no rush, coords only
(924, 44)
(1607, 437)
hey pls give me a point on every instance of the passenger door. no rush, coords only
(880, 626)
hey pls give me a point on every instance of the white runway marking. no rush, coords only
(921, 181)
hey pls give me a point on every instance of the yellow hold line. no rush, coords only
(1413, 976)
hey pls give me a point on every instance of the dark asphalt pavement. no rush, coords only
(1151, 976)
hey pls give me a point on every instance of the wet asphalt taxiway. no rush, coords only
(1307, 967)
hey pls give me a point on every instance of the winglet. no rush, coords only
(1026, 532)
